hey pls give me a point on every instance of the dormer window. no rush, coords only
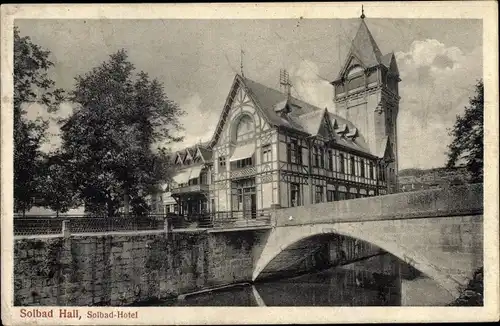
(355, 78)
(352, 134)
(355, 71)
(342, 130)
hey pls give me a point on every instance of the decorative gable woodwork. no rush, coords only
(239, 101)
(326, 129)
(179, 160)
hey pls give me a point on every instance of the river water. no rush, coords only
(377, 281)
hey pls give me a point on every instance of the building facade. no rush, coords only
(271, 149)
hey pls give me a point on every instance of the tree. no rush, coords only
(467, 133)
(109, 138)
(58, 191)
(31, 84)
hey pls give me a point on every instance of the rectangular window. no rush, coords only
(315, 156)
(290, 153)
(341, 195)
(295, 195)
(342, 163)
(321, 157)
(222, 161)
(330, 195)
(381, 172)
(371, 170)
(353, 166)
(362, 170)
(330, 160)
(266, 154)
(240, 164)
(294, 152)
(319, 194)
(203, 178)
(299, 154)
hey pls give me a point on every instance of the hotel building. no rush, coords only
(270, 149)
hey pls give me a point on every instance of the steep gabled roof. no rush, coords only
(364, 49)
(206, 153)
(311, 121)
(384, 149)
(304, 116)
(300, 116)
(386, 59)
(358, 143)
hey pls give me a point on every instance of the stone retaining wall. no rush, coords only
(125, 269)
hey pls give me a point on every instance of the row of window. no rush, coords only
(339, 163)
(266, 157)
(367, 170)
(331, 195)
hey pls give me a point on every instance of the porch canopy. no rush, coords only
(195, 172)
(182, 176)
(187, 174)
(242, 152)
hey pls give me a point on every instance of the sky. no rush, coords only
(439, 61)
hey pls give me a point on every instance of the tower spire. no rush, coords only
(362, 12)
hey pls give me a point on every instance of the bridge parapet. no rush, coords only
(451, 201)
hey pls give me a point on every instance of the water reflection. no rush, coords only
(373, 282)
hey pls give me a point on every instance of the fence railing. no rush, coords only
(52, 225)
(42, 225)
(47, 225)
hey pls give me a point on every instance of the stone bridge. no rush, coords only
(439, 232)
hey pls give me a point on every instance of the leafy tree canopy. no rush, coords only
(108, 139)
(31, 84)
(467, 133)
(57, 192)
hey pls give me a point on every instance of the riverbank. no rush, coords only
(473, 293)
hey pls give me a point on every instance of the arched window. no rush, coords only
(245, 126)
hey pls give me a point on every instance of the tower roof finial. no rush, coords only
(362, 12)
(241, 62)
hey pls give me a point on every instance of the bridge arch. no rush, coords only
(283, 237)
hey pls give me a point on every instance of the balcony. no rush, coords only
(243, 172)
(190, 189)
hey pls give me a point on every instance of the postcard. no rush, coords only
(169, 164)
